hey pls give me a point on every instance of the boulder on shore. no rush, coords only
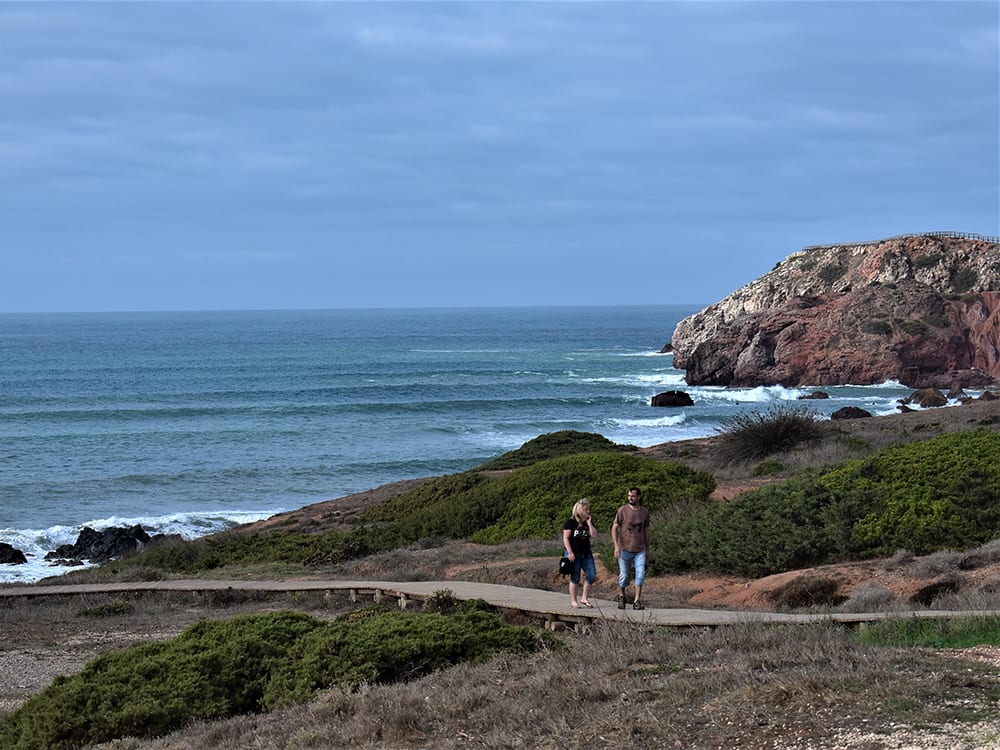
(102, 546)
(926, 398)
(10, 555)
(850, 412)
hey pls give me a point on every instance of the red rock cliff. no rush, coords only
(920, 309)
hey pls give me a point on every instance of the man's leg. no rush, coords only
(624, 562)
(640, 578)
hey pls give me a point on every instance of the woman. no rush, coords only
(577, 533)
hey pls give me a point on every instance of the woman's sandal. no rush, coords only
(574, 605)
(638, 605)
(587, 604)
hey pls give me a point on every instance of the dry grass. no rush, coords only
(632, 686)
(616, 684)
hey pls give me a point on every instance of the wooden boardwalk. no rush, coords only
(550, 606)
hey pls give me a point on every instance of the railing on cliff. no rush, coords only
(956, 235)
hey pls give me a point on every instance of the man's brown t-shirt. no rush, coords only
(633, 521)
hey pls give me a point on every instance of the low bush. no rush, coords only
(533, 502)
(537, 500)
(807, 590)
(248, 664)
(925, 496)
(878, 327)
(767, 468)
(554, 445)
(913, 327)
(869, 597)
(750, 436)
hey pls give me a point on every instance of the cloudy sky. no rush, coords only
(164, 156)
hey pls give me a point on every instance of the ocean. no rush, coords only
(192, 422)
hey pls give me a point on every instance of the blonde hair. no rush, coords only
(578, 513)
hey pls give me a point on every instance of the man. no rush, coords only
(630, 533)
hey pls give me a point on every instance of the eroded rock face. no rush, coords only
(922, 310)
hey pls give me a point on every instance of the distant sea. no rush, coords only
(192, 422)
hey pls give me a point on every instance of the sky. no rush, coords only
(252, 155)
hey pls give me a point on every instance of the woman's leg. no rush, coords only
(589, 576)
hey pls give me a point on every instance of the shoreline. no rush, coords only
(702, 453)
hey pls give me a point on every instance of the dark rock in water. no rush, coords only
(671, 398)
(814, 395)
(101, 546)
(987, 396)
(850, 412)
(926, 397)
(667, 348)
(10, 555)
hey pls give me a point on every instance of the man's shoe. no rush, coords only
(621, 602)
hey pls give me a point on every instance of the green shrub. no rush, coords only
(533, 501)
(391, 648)
(213, 669)
(963, 280)
(937, 320)
(913, 327)
(878, 327)
(537, 500)
(937, 494)
(926, 261)
(753, 435)
(788, 525)
(855, 442)
(767, 468)
(553, 445)
(832, 271)
(217, 669)
(117, 608)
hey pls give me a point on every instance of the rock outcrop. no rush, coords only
(671, 398)
(10, 555)
(101, 546)
(920, 309)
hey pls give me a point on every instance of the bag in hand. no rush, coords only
(565, 566)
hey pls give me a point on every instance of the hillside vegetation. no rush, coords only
(531, 502)
(938, 494)
(299, 681)
(249, 664)
(923, 496)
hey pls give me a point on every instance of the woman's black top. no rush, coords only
(579, 536)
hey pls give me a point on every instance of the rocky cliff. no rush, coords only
(920, 309)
